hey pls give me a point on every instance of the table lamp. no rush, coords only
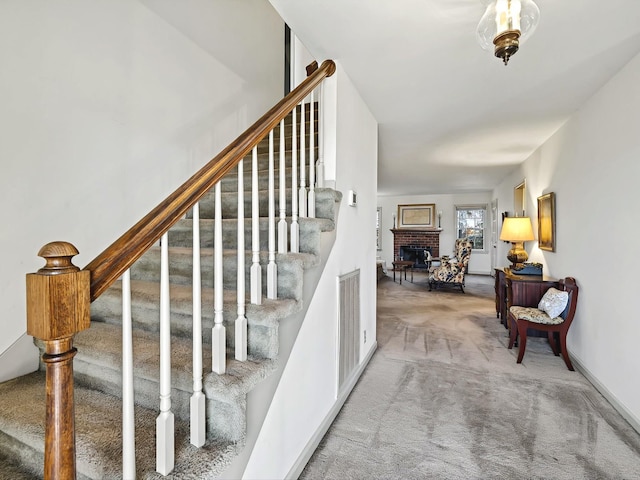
(517, 230)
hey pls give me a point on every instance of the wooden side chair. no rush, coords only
(551, 316)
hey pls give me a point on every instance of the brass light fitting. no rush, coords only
(507, 45)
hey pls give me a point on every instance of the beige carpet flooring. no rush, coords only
(443, 398)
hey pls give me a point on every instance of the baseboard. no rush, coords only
(314, 441)
(19, 359)
(606, 393)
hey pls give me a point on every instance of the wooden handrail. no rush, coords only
(107, 267)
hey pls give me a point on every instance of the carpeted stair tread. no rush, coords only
(180, 233)
(229, 203)
(263, 168)
(230, 223)
(148, 293)
(263, 146)
(263, 153)
(98, 434)
(229, 183)
(325, 200)
(323, 224)
(181, 265)
(263, 158)
(11, 470)
(239, 379)
(186, 254)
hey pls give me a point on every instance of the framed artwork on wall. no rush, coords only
(519, 198)
(417, 215)
(547, 222)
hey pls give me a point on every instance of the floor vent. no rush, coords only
(348, 325)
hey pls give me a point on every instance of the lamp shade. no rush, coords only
(504, 15)
(506, 24)
(516, 229)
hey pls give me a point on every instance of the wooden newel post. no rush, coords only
(58, 307)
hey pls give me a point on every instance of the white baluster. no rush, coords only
(218, 335)
(198, 419)
(320, 172)
(272, 269)
(241, 321)
(128, 415)
(295, 227)
(312, 162)
(165, 451)
(302, 200)
(282, 203)
(256, 269)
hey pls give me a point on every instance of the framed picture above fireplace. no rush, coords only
(417, 215)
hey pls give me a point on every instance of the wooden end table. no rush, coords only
(402, 266)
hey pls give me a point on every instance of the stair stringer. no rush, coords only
(260, 398)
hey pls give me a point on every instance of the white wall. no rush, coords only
(592, 164)
(107, 108)
(480, 262)
(301, 58)
(306, 394)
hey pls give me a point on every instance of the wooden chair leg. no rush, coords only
(563, 349)
(552, 342)
(522, 333)
(513, 334)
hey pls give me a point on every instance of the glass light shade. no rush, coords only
(502, 16)
(516, 229)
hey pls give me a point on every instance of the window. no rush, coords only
(470, 220)
(378, 221)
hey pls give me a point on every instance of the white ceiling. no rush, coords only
(452, 118)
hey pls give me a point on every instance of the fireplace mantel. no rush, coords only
(416, 230)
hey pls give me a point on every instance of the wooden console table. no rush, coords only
(526, 290)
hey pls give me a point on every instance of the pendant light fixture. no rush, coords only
(506, 24)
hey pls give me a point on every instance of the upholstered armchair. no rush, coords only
(452, 272)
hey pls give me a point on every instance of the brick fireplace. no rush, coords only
(416, 240)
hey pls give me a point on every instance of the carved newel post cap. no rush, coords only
(58, 304)
(58, 256)
(312, 67)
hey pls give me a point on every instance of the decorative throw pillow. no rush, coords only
(553, 302)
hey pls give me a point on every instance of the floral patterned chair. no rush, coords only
(452, 272)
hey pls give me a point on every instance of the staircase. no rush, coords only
(97, 366)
